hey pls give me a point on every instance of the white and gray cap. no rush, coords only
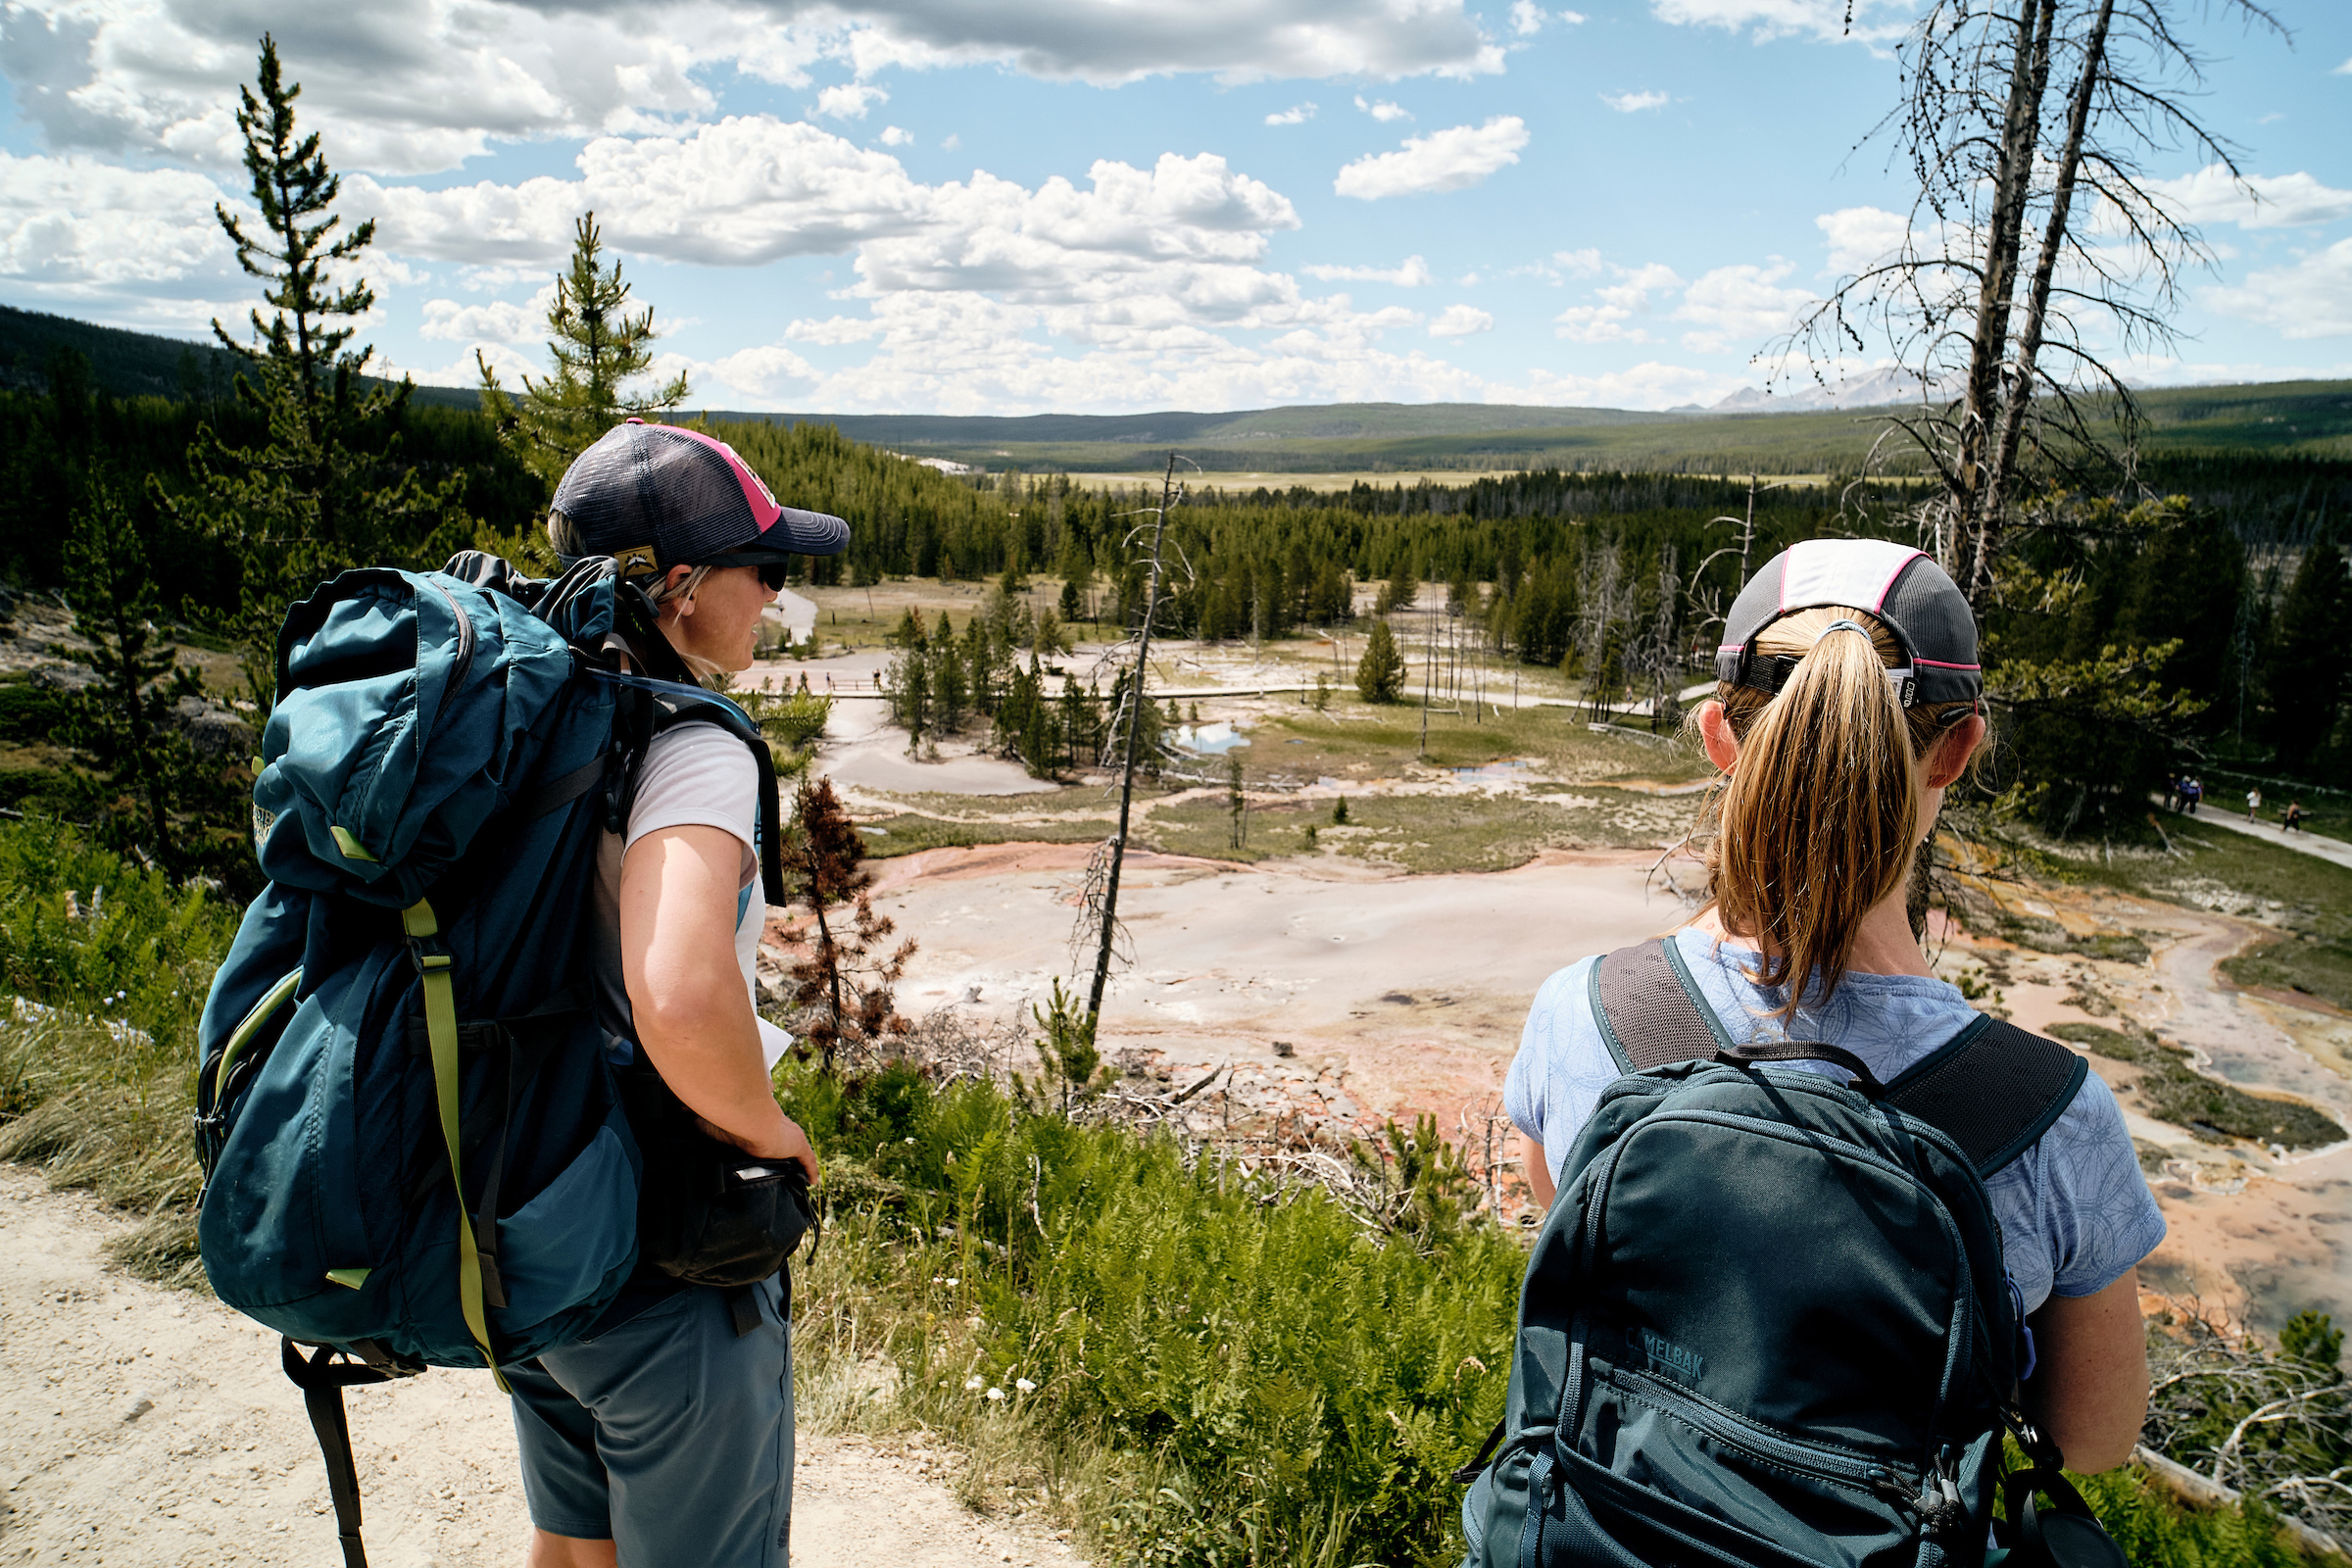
(1896, 584)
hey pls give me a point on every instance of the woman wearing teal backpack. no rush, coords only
(1694, 1376)
(663, 1438)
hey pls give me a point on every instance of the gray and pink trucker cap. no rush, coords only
(654, 496)
(1895, 583)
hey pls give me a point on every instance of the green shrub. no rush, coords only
(139, 950)
(2156, 1530)
(1242, 1340)
(97, 1080)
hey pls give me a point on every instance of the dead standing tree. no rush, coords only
(1099, 906)
(1599, 605)
(2037, 257)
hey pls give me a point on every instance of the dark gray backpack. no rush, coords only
(1766, 1322)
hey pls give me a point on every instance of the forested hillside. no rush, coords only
(2219, 552)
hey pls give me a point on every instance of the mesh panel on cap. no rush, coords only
(638, 486)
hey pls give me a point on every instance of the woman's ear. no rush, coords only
(679, 606)
(1948, 758)
(1715, 734)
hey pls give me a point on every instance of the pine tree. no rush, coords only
(2306, 682)
(949, 694)
(598, 347)
(1078, 740)
(911, 690)
(1402, 587)
(1380, 673)
(124, 721)
(325, 489)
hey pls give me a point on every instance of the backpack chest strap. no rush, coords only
(1993, 1089)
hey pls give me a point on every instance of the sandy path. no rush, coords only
(2325, 849)
(223, 1469)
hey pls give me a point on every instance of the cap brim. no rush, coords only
(794, 533)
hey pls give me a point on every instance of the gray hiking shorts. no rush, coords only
(667, 1434)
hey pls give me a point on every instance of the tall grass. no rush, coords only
(103, 972)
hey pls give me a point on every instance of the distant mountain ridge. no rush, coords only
(1806, 428)
(1878, 390)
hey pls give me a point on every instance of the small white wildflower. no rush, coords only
(996, 1394)
(1024, 1385)
(951, 1284)
(974, 1381)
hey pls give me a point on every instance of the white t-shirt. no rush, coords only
(692, 775)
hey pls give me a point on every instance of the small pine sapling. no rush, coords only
(846, 982)
(1069, 1065)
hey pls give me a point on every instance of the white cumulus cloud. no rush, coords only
(1738, 307)
(412, 86)
(743, 191)
(1620, 302)
(1632, 103)
(1461, 321)
(1861, 237)
(2257, 201)
(2313, 298)
(1381, 110)
(1442, 161)
(850, 101)
(491, 321)
(1295, 114)
(1867, 20)
(896, 136)
(1413, 272)
(77, 225)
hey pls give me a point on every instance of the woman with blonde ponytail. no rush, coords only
(1850, 698)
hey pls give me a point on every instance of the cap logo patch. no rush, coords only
(637, 561)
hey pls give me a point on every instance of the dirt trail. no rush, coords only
(221, 1467)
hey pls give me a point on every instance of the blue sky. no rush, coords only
(1099, 206)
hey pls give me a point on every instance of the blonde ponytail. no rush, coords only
(1819, 820)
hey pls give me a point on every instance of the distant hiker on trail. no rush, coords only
(2174, 790)
(1765, 1321)
(2192, 790)
(2294, 818)
(665, 1431)
(2253, 803)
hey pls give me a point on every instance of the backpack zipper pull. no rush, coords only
(1940, 1508)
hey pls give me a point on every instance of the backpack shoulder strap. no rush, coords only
(1993, 1089)
(1647, 1011)
(650, 706)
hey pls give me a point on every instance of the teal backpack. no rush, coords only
(410, 1121)
(1766, 1322)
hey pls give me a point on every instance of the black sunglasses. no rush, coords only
(771, 574)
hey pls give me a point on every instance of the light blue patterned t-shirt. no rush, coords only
(2074, 1210)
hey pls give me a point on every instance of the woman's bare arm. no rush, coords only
(693, 1012)
(2090, 1394)
(1538, 1168)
